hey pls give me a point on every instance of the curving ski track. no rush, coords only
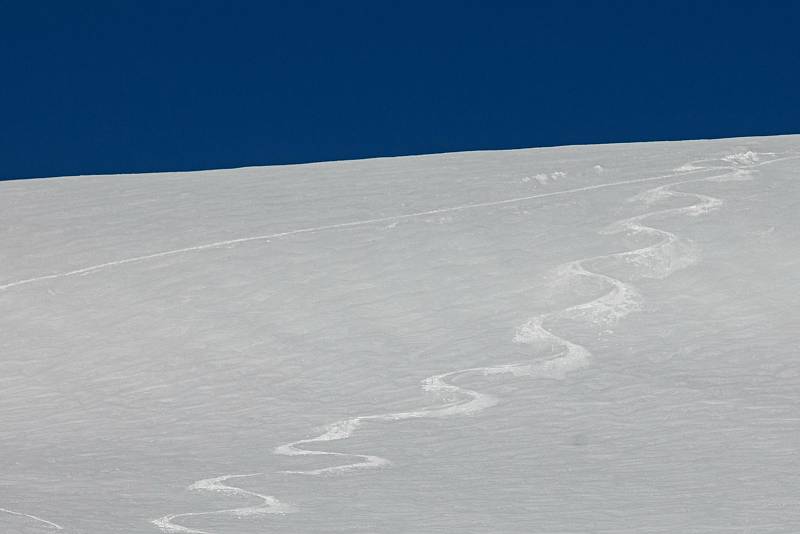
(666, 255)
(657, 260)
(269, 505)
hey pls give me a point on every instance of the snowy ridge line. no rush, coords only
(266, 237)
(269, 505)
(658, 260)
(35, 518)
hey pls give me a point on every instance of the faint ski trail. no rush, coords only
(266, 237)
(270, 505)
(690, 168)
(35, 518)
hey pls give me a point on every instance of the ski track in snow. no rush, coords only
(269, 505)
(658, 260)
(668, 254)
(35, 518)
(230, 242)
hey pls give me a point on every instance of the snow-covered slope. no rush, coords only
(598, 339)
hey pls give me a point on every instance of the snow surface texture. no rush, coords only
(577, 339)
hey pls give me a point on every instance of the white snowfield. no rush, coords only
(597, 339)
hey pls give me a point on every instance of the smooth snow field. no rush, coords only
(597, 339)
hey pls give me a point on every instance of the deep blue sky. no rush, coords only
(132, 86)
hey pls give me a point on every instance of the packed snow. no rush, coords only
(595, 339)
